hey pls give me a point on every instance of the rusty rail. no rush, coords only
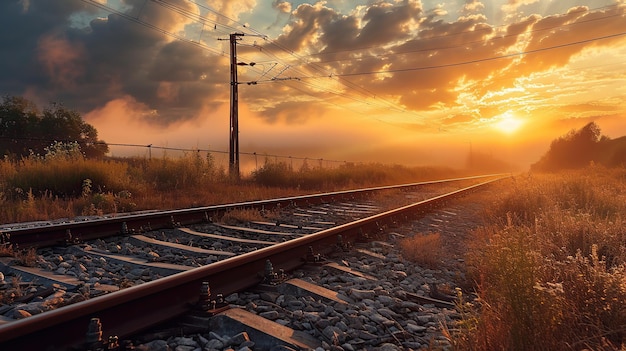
(58, 234)
(134, 309)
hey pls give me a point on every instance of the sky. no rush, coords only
(392, 81)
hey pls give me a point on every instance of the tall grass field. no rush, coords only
(64, 184)
(550, 267)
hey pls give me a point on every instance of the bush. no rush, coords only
(550, 273)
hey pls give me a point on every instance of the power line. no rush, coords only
(323, 73)
(321, 53)
(491, 58)
(180, 149)
(341, 76)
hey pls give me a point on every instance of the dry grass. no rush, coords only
(27, 257)
(6, 250)
(423, 249)
(13, 291)
(66, 185)
(551, 269)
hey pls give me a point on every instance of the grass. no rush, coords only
(14, 291)
(423, 249)
(550, 268)
(26, 257)
(63, 184)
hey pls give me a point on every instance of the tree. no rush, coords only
(23, 130)
(59, 123)
(576, 149)
(18, 121)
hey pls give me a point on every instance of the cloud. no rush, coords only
(304, 27)
(513, 5)
(281, 6)
(291, 112)
(386, 23)
(86, 68)
(423, 57)
(232, 9)
(425, 60)
(473, 6)
(61, 60)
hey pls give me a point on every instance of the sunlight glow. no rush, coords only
(508, 123)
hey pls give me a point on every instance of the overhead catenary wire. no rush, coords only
(460, 63)
(464, 45)
(323, 73)
(179, 149)
(352, 87)
(302, 70)
(354, 92)
(302, 58)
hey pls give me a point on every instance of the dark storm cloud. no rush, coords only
(46, 56)
(24, 23)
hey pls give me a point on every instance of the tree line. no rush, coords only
(25, 130)
(580, 148)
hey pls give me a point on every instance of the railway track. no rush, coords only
(299, 230)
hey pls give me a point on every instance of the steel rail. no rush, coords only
(58, 234)
(139, 307)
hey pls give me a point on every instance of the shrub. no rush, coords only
(550, 273)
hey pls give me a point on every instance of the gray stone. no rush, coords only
(184, 348)
(232, 298)
(347, 347)
(155, 345)
(423, 319)
(183, 341)
(365, 335)
(215, 344)
(362, 294)
(386, 300)
(388, 347)
(238, 339)
(334, 334)
(378, 318)
(415, 329)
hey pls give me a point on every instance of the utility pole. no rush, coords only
(233, 152)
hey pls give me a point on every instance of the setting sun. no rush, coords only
(407, 82)
(508, 123)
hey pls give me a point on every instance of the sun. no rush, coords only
(508, 123)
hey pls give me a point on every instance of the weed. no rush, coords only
(13, 291)
(63, 184)
(6, 250)
(423, 249)
(27, 257)
(550, 270)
